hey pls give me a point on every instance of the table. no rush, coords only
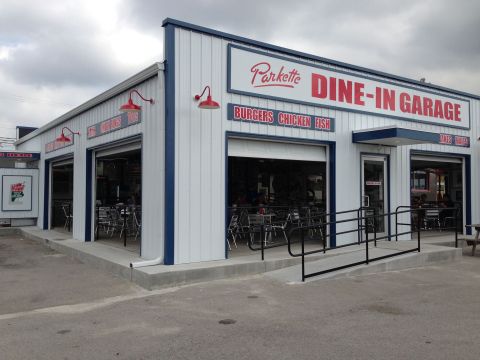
(477, 229)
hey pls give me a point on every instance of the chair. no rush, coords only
(232, 231)
(431, 219)
(282, 227)
(137, 222)
(316, 223)
(68, 216)
(103, 219)
(294, 217)
(117, 222)
(256, 221)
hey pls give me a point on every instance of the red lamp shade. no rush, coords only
(62, 138)
(130, 106)
(65, 139)
(209, 103)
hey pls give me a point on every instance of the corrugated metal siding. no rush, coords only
(150, 130)
(200, 150)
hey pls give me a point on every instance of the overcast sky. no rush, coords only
(56, 54)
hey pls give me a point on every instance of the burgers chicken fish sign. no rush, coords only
(265, 75)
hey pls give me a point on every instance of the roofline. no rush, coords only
(136, 79)
(283, 50)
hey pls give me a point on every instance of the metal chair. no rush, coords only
(103, 219)
(431, 219)
(68, 216)
(282, 227)
(232, 231)
(256, 221)
(137, 218)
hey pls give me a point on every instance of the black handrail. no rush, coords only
(368, 257)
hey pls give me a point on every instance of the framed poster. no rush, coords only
(16, 193)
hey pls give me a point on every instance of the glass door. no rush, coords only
(374, 191)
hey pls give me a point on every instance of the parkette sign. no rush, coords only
(261, 74)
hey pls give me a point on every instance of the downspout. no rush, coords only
(137, 264)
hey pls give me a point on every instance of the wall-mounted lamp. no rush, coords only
(209, 103)
(64, 139)
(130, 106)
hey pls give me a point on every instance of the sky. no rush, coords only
(57, 54)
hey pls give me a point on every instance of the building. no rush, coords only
(291, 128)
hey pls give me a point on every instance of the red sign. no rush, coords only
(274, 77)
(279, 118)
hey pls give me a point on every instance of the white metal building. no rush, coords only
(275, 103)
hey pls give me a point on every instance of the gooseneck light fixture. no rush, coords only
(209, 103)
(65, 139)
(131, 106)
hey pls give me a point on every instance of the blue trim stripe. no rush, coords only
(46, 192)
(468, 192)
(227, 215)
(88, 196)
(169, 256)
(279, 49)
(333, 191)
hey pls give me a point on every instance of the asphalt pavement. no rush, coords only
(53, 307)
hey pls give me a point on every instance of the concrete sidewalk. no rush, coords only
(117, 261)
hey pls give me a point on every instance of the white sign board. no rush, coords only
(260, 74)
(16, 193)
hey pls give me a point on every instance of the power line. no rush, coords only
(18, 98)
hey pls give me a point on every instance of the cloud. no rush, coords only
(55, 57)
(67, 49)
(432, 38)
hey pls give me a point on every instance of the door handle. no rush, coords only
(366, 201)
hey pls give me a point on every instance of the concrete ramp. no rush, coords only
(429, 255)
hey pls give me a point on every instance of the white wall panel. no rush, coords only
(151, 131)
(200, 146)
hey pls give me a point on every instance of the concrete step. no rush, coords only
(278, 264)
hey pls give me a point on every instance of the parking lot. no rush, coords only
(54, 307)
(34, 276)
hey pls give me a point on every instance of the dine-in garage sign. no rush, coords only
(260, 74)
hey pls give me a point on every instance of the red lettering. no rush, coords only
(262, 71)
(333, 89)
(405, 102)
(260, 68)
(448, 110)
(456, 112)
(345, 91)
(446, 139)
(319, 86)
(378, 97)
(427, 107)
(417, 105)
(389, 99)
(359, 93)
(437, 109)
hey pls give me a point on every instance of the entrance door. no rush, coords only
(61, 191)
(374, 191)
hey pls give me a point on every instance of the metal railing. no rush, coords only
(422, 220)
(365, 223)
